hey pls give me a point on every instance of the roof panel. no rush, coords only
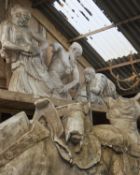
(118, 10)
(85, 16)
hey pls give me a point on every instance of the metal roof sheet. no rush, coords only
(117, 10)
(85, 16)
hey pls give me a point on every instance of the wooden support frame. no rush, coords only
(14, 102)
(42, 1)
(127, 63)
(35, 4)
(105, 28)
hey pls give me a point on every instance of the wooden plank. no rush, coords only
(99, 108)
(13, 102)
(15, 111)
(3, 83)
(102, 29)
(26, 98)
(127, 63)
(2, 68)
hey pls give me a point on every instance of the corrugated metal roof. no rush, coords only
(85, 16)
(125, 72)
(118, 10)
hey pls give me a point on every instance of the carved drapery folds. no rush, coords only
(79, 148)
(30, 74)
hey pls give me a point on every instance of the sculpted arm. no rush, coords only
(74, 82)
(42, 41)
(7, 44)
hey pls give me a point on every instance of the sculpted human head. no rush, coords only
(89, 74)
(75, 50)
(20, 16)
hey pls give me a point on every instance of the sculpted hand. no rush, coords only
(28, 48)
(64, 90)
(32, 50)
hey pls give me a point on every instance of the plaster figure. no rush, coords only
(63, 140)
(29, 73)
(63, 68)
(56, 140)
(122, 135)
(96, 87)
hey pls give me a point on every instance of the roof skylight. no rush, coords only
(85, 16)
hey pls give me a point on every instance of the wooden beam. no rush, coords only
(105, 28)
(13, 102)
(127, 63)
(3, 83)
(9, 96)
(37, 3)
(2, 68)
(99, 108)
(12, 111)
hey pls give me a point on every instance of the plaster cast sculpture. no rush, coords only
(63, 68)
(96, 87)
(29, 73)
(63, 140)
(122, 135)
(56, 140)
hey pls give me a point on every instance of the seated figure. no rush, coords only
(96, 87)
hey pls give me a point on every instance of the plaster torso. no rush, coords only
(61, 69)
(21, 36)
(124, 117)
(61, 62)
